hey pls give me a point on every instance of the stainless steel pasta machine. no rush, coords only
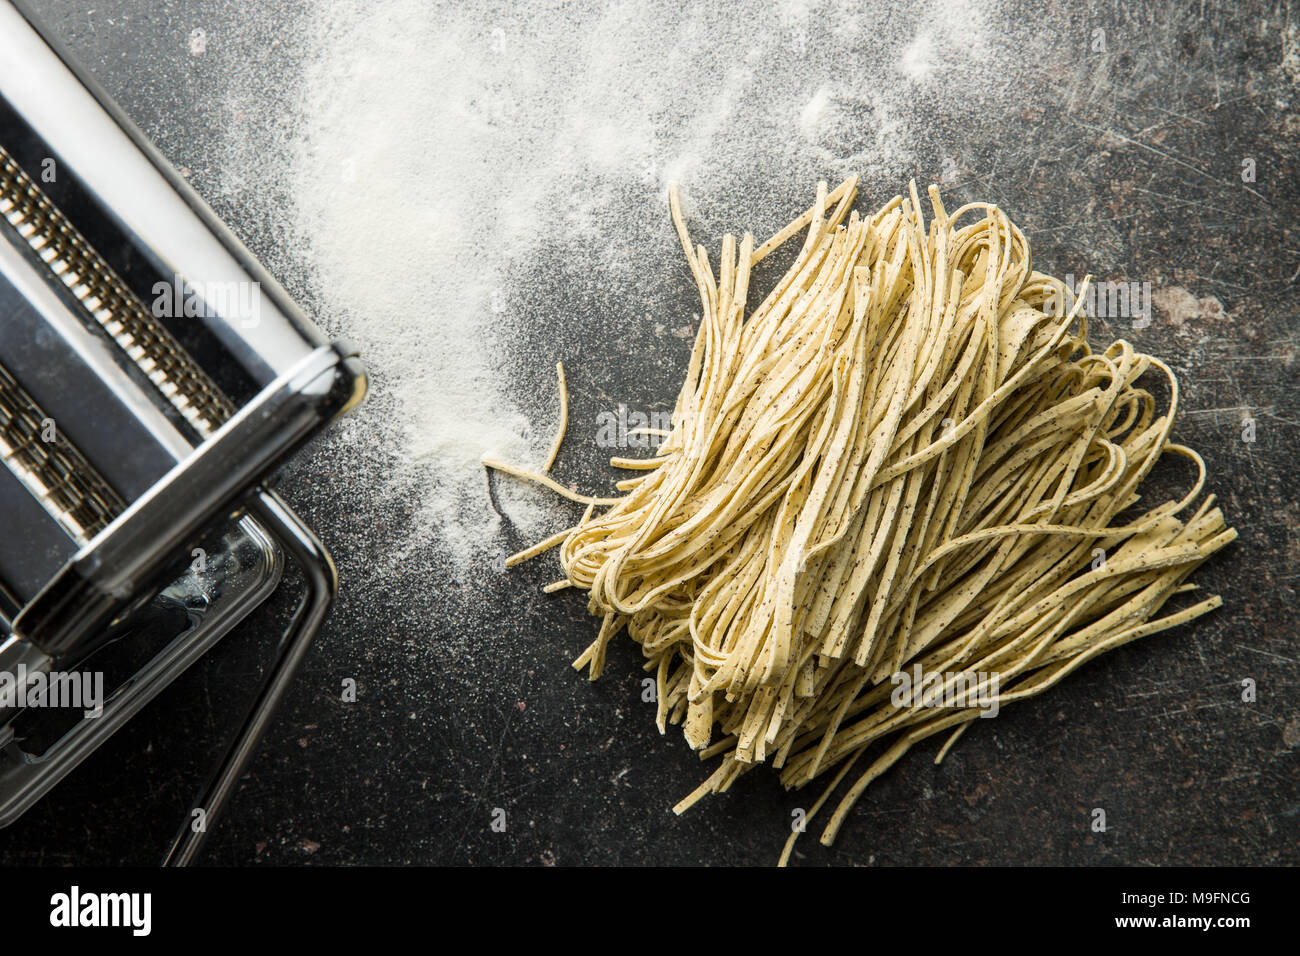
(152, 377)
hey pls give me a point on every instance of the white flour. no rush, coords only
(422, 151)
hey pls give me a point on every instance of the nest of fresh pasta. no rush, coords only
(898, 493)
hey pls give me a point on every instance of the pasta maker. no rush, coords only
(153, 376)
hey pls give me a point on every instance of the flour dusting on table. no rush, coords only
(420, 153)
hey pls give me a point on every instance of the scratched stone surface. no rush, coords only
(1128, 166)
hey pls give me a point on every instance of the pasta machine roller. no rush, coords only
(152, 377)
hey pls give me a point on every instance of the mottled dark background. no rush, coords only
(1128, 166)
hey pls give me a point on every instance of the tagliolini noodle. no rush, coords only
(907, 455)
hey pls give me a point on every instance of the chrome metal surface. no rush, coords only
(76, 377)
(322, 583)
(241, 572)
(153, 209)
(52, 471)
(121, 561)
(152, 378)
(69, 258)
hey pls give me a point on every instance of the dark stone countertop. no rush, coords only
(1129, 167)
